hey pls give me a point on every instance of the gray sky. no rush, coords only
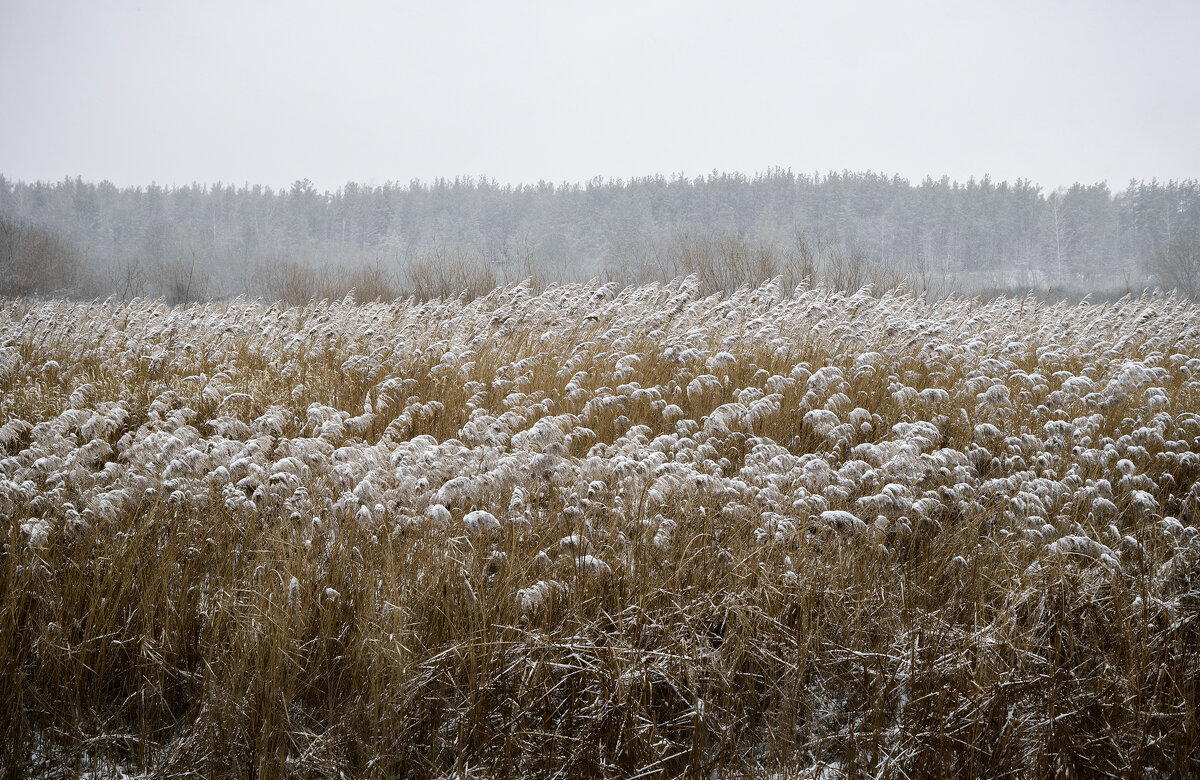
(270, 92)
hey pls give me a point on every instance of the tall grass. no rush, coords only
(240, 540)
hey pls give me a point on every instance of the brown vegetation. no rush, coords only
(178, 597)
(35, 262)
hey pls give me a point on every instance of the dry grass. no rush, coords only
(239, 540)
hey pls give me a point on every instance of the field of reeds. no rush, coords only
(588, 531)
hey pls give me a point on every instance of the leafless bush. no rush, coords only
(289, 281)
(1179, 264)
(447, 275)
(295, 283)
(724, 263)
(180, 281)
(852, 271)
(36, 262)
(128, 279)
(367, 283)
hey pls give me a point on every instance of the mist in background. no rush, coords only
(1014, 143)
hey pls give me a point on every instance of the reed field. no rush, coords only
(582, 531)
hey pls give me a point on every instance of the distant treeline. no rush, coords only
(215, 240)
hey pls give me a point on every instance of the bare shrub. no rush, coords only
(296, 284)
(1178, 264)
(180, 281)
(852, 271)
(371, 283)
(725, 263)
(444, 274)
(33, 261)
(128, 280)
(288, 281)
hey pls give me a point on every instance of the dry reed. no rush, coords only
(807, 533)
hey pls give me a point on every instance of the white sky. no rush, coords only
(269, 92)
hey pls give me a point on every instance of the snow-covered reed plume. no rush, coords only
(805, 505)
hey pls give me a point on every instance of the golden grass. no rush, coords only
(725, 624)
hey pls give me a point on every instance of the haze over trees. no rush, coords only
(198, 241)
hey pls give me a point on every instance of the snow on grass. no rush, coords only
(625, 517)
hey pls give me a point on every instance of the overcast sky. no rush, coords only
(270, 92)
